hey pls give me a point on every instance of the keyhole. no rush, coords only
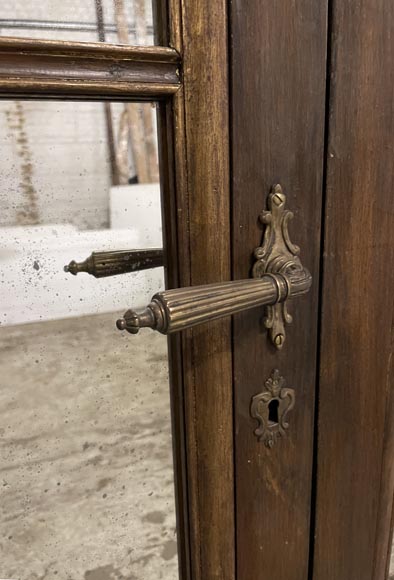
(273, 408)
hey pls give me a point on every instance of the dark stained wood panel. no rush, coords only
(278, 52)
(356, 411)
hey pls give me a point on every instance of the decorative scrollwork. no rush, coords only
(277, 254)
(276, 395)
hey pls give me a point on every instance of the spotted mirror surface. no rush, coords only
(86, 486)
(113, 21)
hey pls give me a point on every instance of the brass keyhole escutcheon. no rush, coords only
(271, 408)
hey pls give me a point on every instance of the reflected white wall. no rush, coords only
(34, 286)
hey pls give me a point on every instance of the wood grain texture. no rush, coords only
(356, 438)
(278, 107)
(197, 237)
(67, 48)
(204, 213)
(86, 70)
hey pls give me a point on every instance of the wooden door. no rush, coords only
(254, 94)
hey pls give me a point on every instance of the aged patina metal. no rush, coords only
(279, 255)
(271, 407)
(277, 275)
(112, 263)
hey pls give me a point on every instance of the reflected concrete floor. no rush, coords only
(86, 482)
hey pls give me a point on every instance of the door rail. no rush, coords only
(82, 70)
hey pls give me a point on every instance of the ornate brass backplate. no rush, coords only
(277, 254)
(271, 407)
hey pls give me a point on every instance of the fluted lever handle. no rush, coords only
(277, 275)
(174, 310)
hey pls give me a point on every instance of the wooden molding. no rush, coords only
(52, 69)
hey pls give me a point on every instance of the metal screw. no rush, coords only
(279, 340)
(277, 199)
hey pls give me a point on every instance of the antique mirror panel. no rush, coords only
(87, 486)
(111, 21)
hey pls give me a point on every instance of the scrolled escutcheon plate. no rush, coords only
(282, 399)
(276, 254)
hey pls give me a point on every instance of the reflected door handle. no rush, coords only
(112, 263)
(277, 275)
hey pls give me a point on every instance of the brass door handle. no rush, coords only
(277, 275)
(112, 263)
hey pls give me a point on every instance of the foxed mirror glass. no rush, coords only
(87, 484)
(114, 21)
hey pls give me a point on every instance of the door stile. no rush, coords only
(355, 475)
(194, 127)
(278, 58)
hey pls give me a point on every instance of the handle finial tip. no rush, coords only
(121, 324)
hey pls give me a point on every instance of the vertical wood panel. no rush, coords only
(198, 246)
(355, 451)
(278, 107)
(206, 211)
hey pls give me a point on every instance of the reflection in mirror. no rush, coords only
(85, 434)
(113, 21)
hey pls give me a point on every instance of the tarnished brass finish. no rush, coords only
(271, 407)
(278, 274)
(103, 264)
(277, 254)
(182, 308)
